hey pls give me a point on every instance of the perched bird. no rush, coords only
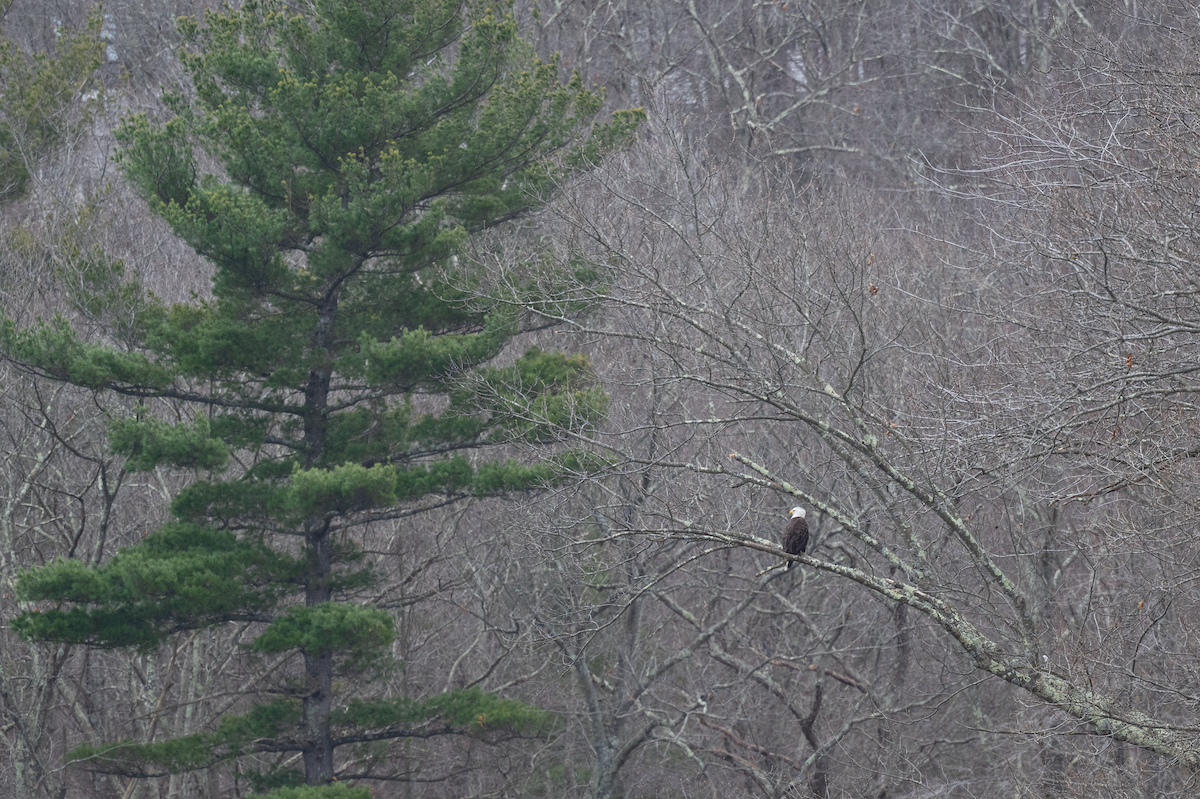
(795, 535)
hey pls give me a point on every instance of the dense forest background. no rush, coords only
(923, 267)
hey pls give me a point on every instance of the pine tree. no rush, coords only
(359, 146)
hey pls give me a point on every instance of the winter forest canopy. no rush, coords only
(405, 398)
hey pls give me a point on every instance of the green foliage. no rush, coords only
(397, 152)
(234, 735)
(151, 442)
(36, 92)
(264, 781)
(54, 349)
(476, 710)
(469, 711)
(342, 489)
(359, 635)
(418, 357)
(315, 792)
(202, 341)
(536, 398)
(232, 503)
(468, 708)
(181, 577)
(340, 361)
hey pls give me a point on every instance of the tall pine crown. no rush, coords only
(358, 147)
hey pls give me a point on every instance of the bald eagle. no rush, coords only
(795, 535)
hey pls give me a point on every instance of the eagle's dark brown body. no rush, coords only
(795, 535)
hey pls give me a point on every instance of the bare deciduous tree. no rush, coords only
(923, 402)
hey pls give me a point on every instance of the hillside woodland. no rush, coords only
(405, 398)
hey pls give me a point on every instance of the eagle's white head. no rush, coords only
(797, 511)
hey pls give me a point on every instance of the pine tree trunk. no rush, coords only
(318, 666)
